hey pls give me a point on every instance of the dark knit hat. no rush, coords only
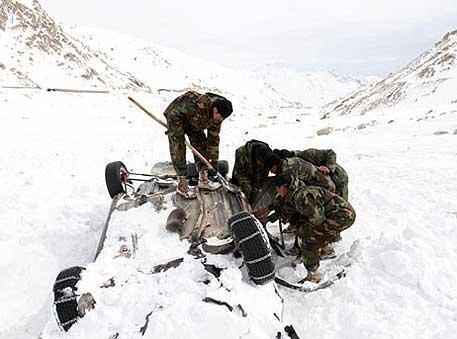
(283, 179)
(261, 151)
(283, 153)
(271, 159)
(224, 107)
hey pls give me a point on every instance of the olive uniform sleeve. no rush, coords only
(241, 175)
(213, 140)
(318, 157)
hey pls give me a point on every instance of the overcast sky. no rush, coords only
(358, 37)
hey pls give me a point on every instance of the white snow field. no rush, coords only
(397, 140)
(54, 203)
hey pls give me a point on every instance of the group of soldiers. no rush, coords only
(310, 188)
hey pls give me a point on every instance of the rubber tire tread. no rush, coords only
(113, 178)
(252, 249)
(68, 310)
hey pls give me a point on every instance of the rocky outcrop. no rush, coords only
(37, 42)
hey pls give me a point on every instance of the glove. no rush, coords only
(262, 215)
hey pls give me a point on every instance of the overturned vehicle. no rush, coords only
(216, 222)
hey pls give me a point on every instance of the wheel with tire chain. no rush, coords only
(65, 297)
(116, 175)
(252, 241)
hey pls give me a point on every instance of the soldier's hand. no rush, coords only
(262, 215)
(323, 169)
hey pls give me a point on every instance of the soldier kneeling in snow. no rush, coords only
(192, 113)
(250, 171)
(318, 215)
(325, 160)
(302, 170)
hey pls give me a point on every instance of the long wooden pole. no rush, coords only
(188, 144)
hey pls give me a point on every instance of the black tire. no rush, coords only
(65, 297)
(251, 240)
(175, 220)
(222, 168)
(115, 177)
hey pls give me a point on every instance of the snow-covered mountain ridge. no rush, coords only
(314, 89)
(54, 203)
(428, 80)
(38, 52)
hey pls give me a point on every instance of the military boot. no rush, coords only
(183, 189)
(204, 183)
(327, 252)
(313, 276)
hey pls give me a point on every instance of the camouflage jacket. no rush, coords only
(247, 173)
(318, 157)
(304, 204)
(299, 168)
(192, 112)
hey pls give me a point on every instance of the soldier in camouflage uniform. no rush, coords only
(249, 172)
(318, 215)
(325, 160)
(302, 170)
(191, 114)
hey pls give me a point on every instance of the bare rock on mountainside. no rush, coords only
(325, 131)
(433, 72)
(35, 49)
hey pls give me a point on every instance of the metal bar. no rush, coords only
(145, 175)
(68, 90)
(105, 227)
(281, 233)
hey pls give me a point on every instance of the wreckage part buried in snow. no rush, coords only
(166, 168)
(205, 219)
(208, 215)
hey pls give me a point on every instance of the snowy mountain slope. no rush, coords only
(313, 89)
(34, 49)
(428, 80)
(170, 72)
(55, 201)
(54, 204)
(38, 52)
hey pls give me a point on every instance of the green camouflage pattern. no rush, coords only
(341, 180)
(307, 172)
(318, 215)
(247, 174)
(191, 114)
(318, 157)
(327, 157)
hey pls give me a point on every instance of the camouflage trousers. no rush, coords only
(339, 216)
(176, 140)
(340, 179)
